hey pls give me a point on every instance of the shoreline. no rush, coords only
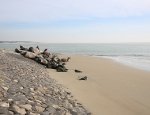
(112, 88)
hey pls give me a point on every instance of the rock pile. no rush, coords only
(44, 58)
(27, 89)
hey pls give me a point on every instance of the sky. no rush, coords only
(75, 21)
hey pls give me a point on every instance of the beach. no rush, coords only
(111, 88)
(27, 89)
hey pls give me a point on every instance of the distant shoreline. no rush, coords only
(17, 42)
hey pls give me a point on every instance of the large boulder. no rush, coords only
(36, 51)
(30, 55)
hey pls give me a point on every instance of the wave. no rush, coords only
(139, 62)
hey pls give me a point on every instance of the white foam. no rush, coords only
(139, 62)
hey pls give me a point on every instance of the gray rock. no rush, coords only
(26, 106)
(5, 88)
(15, 80)
(32, 89)
(39, 109)
(33, 113)
(3, 110)
(19, 110)
(50, 109)
(46, 113)
(4, 104)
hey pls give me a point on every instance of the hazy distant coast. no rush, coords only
(17, 42)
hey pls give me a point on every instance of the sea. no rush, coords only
(136, 55)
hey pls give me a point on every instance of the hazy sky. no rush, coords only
(94, 21)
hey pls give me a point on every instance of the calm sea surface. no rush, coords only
(132, 54)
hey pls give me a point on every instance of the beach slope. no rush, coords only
(111, 88)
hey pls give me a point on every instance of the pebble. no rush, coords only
(39, 109)
(34, 113)
(26, 106)
(56, 106)
(19, 110)
(16, 81)
(21, 88)
(32, 89)
(10, 100)
(4, 104)
(34, 92)
(5, 88)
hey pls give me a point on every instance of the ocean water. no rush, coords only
(132, 54)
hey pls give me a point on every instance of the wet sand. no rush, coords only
(111, 88)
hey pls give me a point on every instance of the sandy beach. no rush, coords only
(111, 88)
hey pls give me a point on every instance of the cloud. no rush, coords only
(49, 10)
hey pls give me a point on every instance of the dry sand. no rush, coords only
(111, 88)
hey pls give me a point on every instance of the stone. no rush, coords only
(3, 111)
(5, 88)
(83, 78)
(50, 109)
(32, 89)
(11, 113)
(26, 106)
(21, 88)
(19, 110)
(1, 94)
(38, 101)
(30, 101)
(39, 109)
(73, 112)
(4, 104)
(46, 113)
(34, 113)
(68, 113)
(10, 100)
(15, 81)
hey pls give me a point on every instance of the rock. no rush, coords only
(4, 104)
(15, 81)
(33, 113)
(39, 109)
(10, 100)
(30, 101)
(77, 71)
(73, 112)
(36, 50)
(11, 113)
(1, 94)
(32, 89)
(19, 110)
(30, 55)
(26, 106)
(17, 50)
(21, 88)
(50, 109)
(28, 89)
(83, 78)
(5, 88)
(46, 113)
(68, 113)
(3, 111)
(61, 69)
